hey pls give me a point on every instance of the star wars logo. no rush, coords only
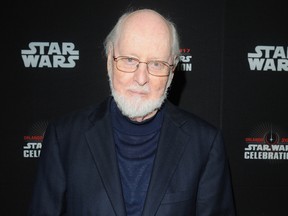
(50, 55)
(269, 58)
(185, 58)
(34, 138)
(33, 146)
(266, 144)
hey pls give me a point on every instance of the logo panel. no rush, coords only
(50, 55)
(266, 142)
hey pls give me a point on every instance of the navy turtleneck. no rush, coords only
(136, 145)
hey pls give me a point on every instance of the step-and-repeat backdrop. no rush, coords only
(233, 73)
(255, 105)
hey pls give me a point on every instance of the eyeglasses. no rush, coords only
(128, 64)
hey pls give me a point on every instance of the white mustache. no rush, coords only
(142, 89)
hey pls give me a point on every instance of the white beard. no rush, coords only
(135, 106)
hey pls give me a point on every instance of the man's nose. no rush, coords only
(141, 75)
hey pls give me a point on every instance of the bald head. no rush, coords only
(142, 27)
(147, 31)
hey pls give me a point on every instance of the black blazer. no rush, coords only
(78, 172)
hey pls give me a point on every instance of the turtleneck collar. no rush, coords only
(125, 125)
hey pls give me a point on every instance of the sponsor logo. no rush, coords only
(267, 142)
(185, 63)
(269, 58)
(33, 140)
(50, 55)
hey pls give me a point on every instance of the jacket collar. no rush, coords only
(170, 149)
(101, 144)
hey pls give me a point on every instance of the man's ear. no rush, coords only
(109, 61)
(176, 61)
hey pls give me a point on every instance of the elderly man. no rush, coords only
(136, 153)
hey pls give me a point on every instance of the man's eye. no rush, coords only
(156, 65)
(130, 61)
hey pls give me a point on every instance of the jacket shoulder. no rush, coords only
(84, 115)
(188, 121)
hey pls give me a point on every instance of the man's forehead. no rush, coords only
(138, 46)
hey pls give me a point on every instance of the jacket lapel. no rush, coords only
(170, 149)
(100, 141)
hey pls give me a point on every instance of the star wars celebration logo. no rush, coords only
(269, 58)
(33, 140)
(185, 60)
(266, 142)
(50, 55)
